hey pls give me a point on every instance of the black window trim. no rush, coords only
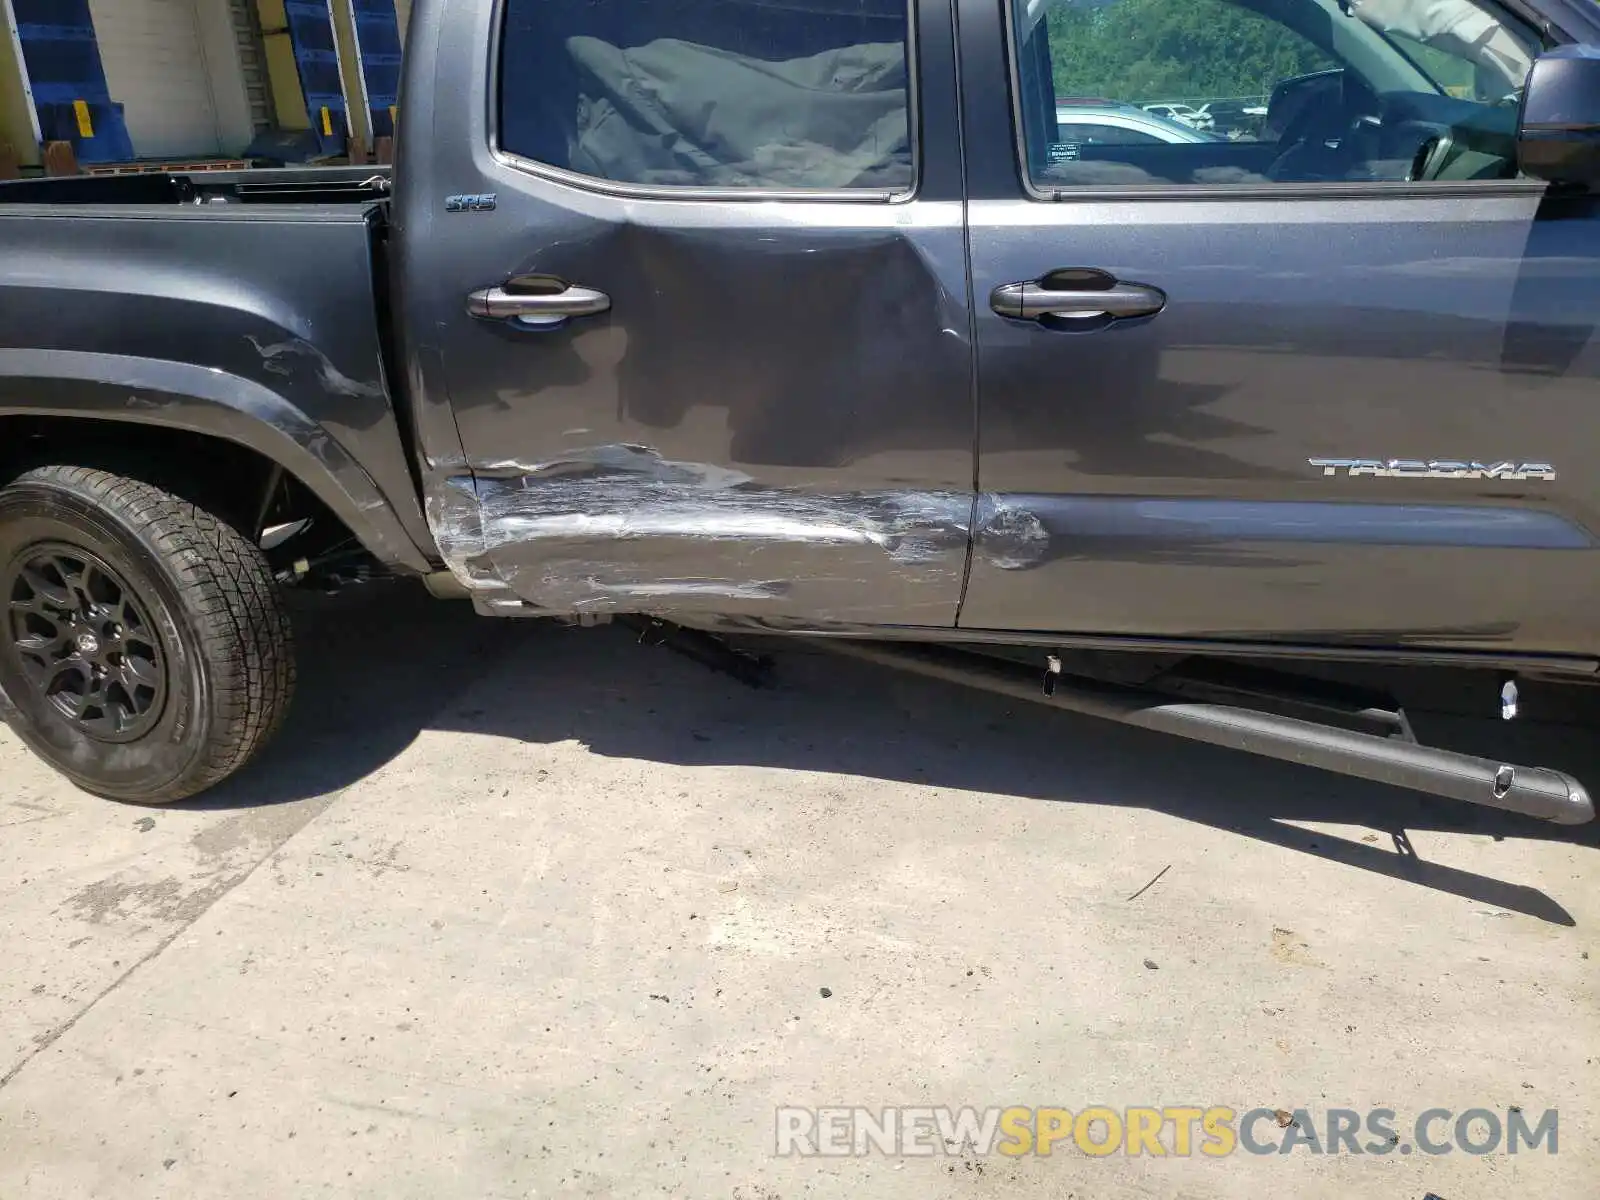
(643, 191)
(1363, 189)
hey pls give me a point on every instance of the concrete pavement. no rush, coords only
(515, 910)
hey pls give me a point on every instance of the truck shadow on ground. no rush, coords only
(377, 671)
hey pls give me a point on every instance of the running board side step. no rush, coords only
(1532, 791)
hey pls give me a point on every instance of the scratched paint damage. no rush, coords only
(619, 528)
(279, 357)
(1007, 535)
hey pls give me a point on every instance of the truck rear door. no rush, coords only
(1314, 376)
(686, 301)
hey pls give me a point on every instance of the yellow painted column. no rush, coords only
(344, 32)
(288, 99)
(16, 125)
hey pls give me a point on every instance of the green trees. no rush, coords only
(1152, 50)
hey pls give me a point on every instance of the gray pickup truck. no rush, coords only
(827, 319)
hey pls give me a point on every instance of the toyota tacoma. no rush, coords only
(738, 318)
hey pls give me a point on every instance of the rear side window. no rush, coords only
(723, 94)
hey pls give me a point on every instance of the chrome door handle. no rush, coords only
(538, 300)
(1076, 294)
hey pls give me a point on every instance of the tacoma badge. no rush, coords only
(1415, 468)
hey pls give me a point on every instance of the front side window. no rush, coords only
(720, 94)
(1270, 91)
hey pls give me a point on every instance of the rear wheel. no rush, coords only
(145, 651)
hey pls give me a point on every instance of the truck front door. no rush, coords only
(694, 282)
(1311, 376)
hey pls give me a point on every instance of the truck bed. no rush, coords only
(308, 185)
(242, 304)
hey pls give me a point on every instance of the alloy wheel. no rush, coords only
(84, 641)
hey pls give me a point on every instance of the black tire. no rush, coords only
(216, 634)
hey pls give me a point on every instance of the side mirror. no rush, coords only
(1558, 130)
(1293, 97)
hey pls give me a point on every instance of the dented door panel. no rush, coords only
(722, 442)
(773, 415)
